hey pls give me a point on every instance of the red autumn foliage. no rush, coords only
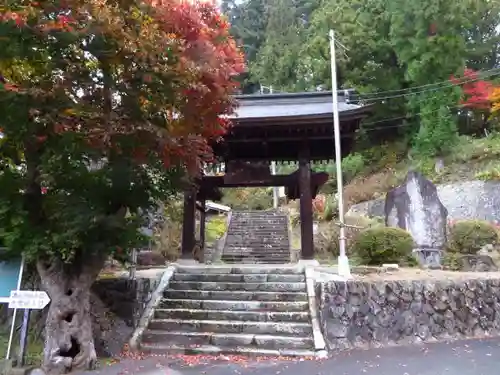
(319, 203)
(196, 59)
(476, 92)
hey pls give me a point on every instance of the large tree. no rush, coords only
(104, 106)
(370, 63)
(277, 61)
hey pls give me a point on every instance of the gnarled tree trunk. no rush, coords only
(69, 342)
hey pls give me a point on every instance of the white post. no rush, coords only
(275, 188)
(343, 260)
(273, 171)
(14, 313)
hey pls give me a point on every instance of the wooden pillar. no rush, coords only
(306, 208)
(188, 224)
(202, 223)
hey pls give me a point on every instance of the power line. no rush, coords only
(442, 87)
(447, 82)
(411, 91)
(401, 125)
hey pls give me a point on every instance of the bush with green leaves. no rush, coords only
(248, 198)
(376, 246)
(469, 236)
(326, 240)
(331, 208)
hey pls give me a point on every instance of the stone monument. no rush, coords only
(415, 206)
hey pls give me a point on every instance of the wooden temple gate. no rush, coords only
(281, 128)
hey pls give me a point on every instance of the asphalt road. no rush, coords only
(469, 357)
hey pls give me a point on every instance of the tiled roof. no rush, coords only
(285, 105)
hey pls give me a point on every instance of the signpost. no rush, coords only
(11, 274)
(28, 299)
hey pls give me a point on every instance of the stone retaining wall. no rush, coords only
(373, 314)
(126, 298)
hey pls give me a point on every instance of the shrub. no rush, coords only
(451, 261)
(352, 165)
(215, 228)
(326, 240)
(469, 236)
(376, 246)
(386, 155)
(248, 198)
(167, 237)
(492, 174)
(331, 209)
(168, 240)
(370, 187)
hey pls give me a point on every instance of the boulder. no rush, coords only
(415, 206)
(477, 263)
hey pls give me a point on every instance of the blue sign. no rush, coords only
(9, 278)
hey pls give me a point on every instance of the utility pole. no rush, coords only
(343, 260)
(273, 171)
(273, 163)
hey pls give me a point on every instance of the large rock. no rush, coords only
(463, 200)
(477, 263)
(415, 206)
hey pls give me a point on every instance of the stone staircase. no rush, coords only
(257, 237)
(225, 310)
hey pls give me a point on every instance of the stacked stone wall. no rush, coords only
(357, 314)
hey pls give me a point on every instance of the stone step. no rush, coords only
(263, 341)
(256, 254)
(245, 228)
(252, 243)
(255, 261)
(231, 326)
(224, 305)
(265, 250)
(235, 295)
(249, 239)
(248, 258)
(256, 235)
(259, 220)
(250, 316)
(221, 270)
(259, 223)
(258, 216)
(258, 257)
(217, 350)
(245, 246)
(261, 249)
(237, 243)
(269, 213)
(234, 278)
(250, 287)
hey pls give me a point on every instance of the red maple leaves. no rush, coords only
(476, 92)
(187, 59)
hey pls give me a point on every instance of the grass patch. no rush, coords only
(34, 351)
